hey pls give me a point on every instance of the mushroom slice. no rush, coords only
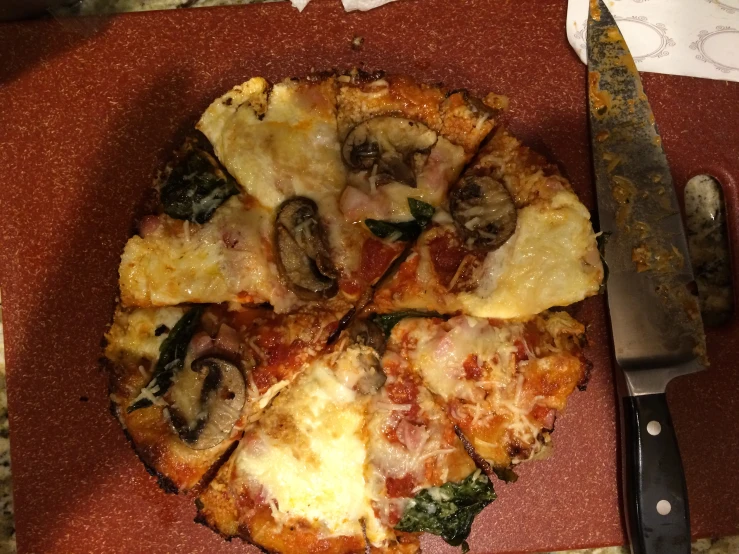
(484, 211)
(398, 147)
(368, 343)
(301, 251)
(358, 367)
(207, 402)
(367, 333)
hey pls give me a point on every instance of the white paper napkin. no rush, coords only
(698, 38)
(349, 5)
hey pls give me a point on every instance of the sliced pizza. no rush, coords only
(501, 382)
(417, 465)
(296, 482)
(185, 381)
(514, 241)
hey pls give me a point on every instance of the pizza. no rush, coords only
(342, 316)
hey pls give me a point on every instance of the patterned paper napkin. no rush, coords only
(698, 38)
(349, 5)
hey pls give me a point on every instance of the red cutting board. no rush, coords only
(89, 109)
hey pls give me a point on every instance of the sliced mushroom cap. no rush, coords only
(301, 251)
(367, 333)
(396, 146)
(484, 211)
(372, 380)
(207, 402)
(358, 367)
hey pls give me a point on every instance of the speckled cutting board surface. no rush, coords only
(90, 108)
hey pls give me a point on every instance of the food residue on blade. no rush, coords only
(595, 10)
(612, 159)
(623, 193)
(652, 257)
(600, 100)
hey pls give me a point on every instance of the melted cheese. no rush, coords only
(281, 143)
(495, 409)
(441, 351)
(551, 260)
(363, 200)
(312, 453)
(198, 266)
(133, 333)
(293, 149)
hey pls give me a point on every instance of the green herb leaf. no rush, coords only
(172, 353)
(407, 230)
(449, 510)
(421, 211)
(505, 474)
(386, 322)
(195, 188)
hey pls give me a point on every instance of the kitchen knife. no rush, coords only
(655, 318)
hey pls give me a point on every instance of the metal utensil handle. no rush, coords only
(656, 496)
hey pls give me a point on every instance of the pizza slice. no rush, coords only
(185, 381)
(350, 458)
(419, 474)
(501, 382)
(296, 481)
(512, 241)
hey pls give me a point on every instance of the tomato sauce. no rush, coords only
(446, 255)
(376, 258)
(402, 391)
(398, 487)
(472, 369)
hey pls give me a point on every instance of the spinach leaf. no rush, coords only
(196, 187)
(386, 322)
(421, 211)
(405, 230)
(172, 353)
(449, 510)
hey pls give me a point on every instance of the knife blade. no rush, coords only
(655, 318)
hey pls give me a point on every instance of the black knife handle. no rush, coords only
(656, 496)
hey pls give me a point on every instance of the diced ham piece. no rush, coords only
(544, 415)
(231, 237)
(436, 172)
(357, 205)
(200, 344)
(149, 225)
(411, 436)
(548, 421)
(228, 340)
